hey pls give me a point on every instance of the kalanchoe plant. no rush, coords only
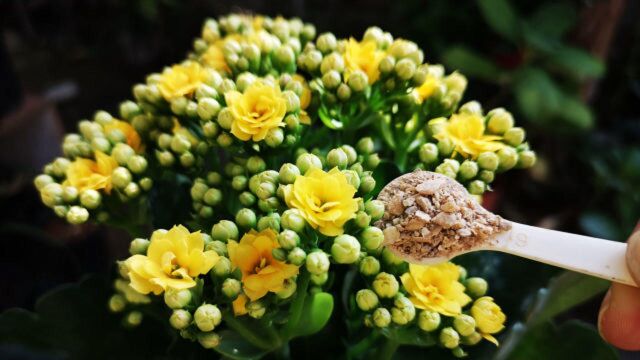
(271, 142)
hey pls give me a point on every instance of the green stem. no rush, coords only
(263, 342)
(387, 350)
(400, 158)
(296, 308)
(283, 352)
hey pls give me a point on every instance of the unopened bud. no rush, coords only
(367, 300)
(381, 317)
(449, 338)
(317, 262)
(464, 324)
(476, 287)
(369, 266)
(207, 317)
(177, 299)
(385, 285)
(375, 208)
(77, 215)
(138, 246)
(297, 256)
(428, 320)
(225, 230)
(345, 249)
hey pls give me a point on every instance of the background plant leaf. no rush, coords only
(501, 17)
(471, 63)
(315, 314)
(554, 19)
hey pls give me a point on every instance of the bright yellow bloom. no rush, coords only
(181, 80)
(173, 260)
(436, 288)
(363, 56)
(261, 108)
(261, 273)
(466, 131)
(428, 87)
(489, 317)
(325, 200)
(133, 139)
(214, 58)
(86, 174)
(240, 305)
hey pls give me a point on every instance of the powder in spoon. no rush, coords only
(430, 215)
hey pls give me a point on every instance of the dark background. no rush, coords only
(60, 61)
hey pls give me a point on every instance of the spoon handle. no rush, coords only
(588, 255)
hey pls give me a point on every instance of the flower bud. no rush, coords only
(307, 161)
(198, 189)
(445, 147)
(365, 146)
(207, 317)
(208, 109)
(372, 238)
(499, 121)
(367, 300)
(385, 285)
(246, 218)
(77, 215)
(387, 64)
(362, 220)
(218, 246)
(375, 208)
(69, 194)
(177, 299)
(472, 339)
(508, 158)
(317, 262)
(239, 182)
(337, 158)
(345, 249)
(428, 153)
(476, 287)
(369, 266)
(358, 81)
(247, 199)
(225, 118)
(284, 55)
(51, 194)
(343, 92)
(449, 338)
(122, 153)
(60, 166)
(468, 170)
(269, 222)
(381, 317)
(372, 161)
(42, 180)
(319, 279)
(326, 42)
(265, 190)
(138, 246)
(333, 61)
(224, 230)
(476, 187)
(428, 320)
(488, 161)
(212, 197)
(292, 220)
(514, 136)
(117, 303)
(179, 105)
(367, 184)
(223, 267)
(526, 159)
(224, 140)
(129, 109)
(60, 210)
(209, 340)
(256, 164)
(269, 205)
(288, 239)
(134, 318)
(274, 137)
(297, 256)
(121, 177)
(464, 324)
(256, 309)
(403, 311)
(288, 173)
(288, 289)
(405, 69)
(231, 288)
(137, 164)
(390, 258)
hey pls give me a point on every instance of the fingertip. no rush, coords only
(619, 318)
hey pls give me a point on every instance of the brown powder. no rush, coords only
(429, 215)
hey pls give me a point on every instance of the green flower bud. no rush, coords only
(471, 107)
(209, 340)
(225, 230)
(488, 161)
(403, 311)
(225, 118)
(447, 170)
(132, 190)
(405, 69)
(137, 164)
(146, 183)
(129, 109)
(224, 140)
(77, 215)
(326, 42)
(372, 161)
(372, 238)
(362, 220)
(69, 194)
(476, 187)
(102, 117)
(187, 159)
(198, 189)
(428, 320)
(231, 288)
(312, 60)
(331, 79)
(317, 262)
(177, 299)
(464, 324)
(204, 211)
(292, 100)
(463, 273)
(375, 208)
(449, 338)
(476, 287)
(358, 81)
(387, 64)
(256, 164)
(239, 182)
(42, 180)
(279, 254)
(468, 170)
(205, 92)
(208, 109)
(508, 158)
(365, 146)
(345, 249)
(297, 256)
(274, 137)
(319, 279)
(117, 303)
(390, 258)
(192, 109)
(256, 309)
(247, 199)
(98, 144)
(459, 353)
(445, 147)
(288, 239)
(367, 300)
(288, 289)
(428, 153)
(293, 220)
(288, 173)
(284, 55)
(486, 176)
(333, 61)
(472, 339)
(269, 205)
(223, 267)
(499, 121)
(121, 177)
(60, 166)
(367, 184)
(180, 144)
(218, 246)
(307, 161)
(133, 319)
(526, 159)
(60, 211)
(212, 197)
(381, 317)
(207, 317)
(122, 153)
(179, 105)
(245, 218)
(343, 92)
(369, 266)
(265, 190)
(180, 319)
(51, 194)
(139, 246)
(210, 129)
(386, 285)
(251, 52)
(514, 136)
(337, 158)
(269, 222)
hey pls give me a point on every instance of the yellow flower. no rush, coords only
(182, 80)
(305, 99)
(261, 108)
(180, 130)
(428, 87)
(489, 317)
(363, 56)
(240, 305)
(325, 199)
(133, 139)
(173, 260)
(86, 174)
(436, 288)
(466, 131)
(261, 273)
(214, 58)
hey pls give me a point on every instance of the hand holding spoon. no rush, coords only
(430, 218)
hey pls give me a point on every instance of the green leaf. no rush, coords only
(577, 63)
(554, 19)
(537, 94)
(409, 336)
(501, 17)
(575, 113)
(315, 314)
(564, 292)
(234, 346)
(571, 340)
(599, 225)
(471, 63)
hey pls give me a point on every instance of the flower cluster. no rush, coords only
(266, 148)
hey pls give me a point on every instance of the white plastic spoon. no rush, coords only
(588, 255)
